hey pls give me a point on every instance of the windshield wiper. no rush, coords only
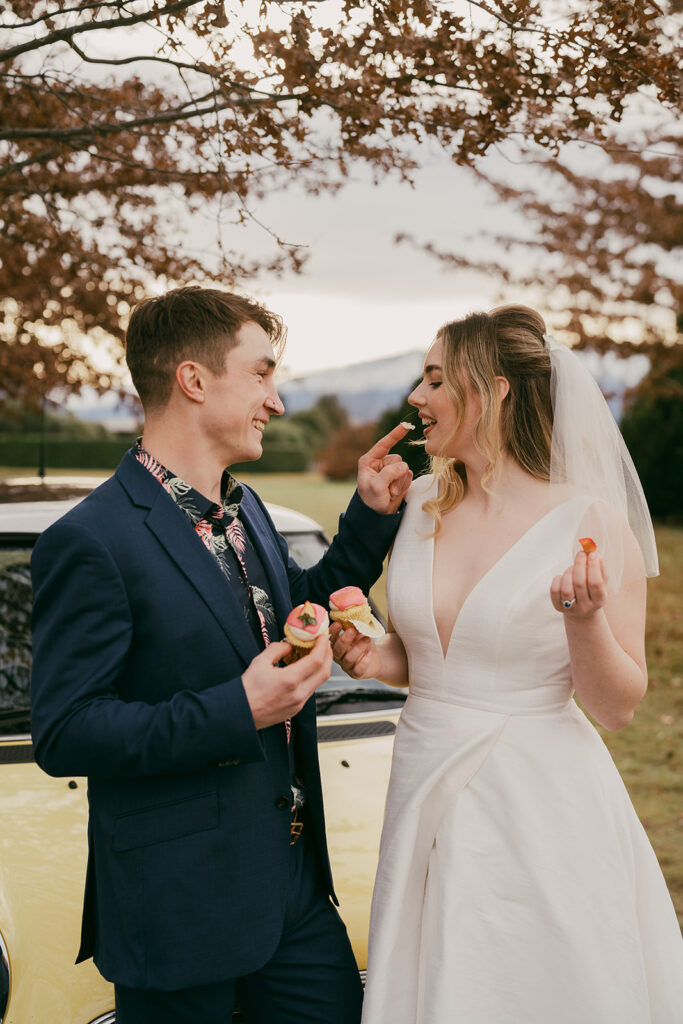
(323, 701)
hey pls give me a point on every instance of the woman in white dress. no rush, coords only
(515, 883)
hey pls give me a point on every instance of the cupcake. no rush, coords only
(350, 607)
(304, 625)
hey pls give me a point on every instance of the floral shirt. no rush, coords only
(224, 535)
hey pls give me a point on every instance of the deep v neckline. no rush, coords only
(482, 579)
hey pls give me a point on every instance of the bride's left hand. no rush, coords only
(584, 584)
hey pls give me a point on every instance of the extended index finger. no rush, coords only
(386, 443)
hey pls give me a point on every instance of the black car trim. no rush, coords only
(355, 731)
(22, 753)
(16, 753)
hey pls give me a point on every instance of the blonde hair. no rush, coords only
(507, 342)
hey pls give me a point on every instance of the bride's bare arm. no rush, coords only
(606, 637)
(363, 658)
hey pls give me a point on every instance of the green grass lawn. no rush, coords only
(649, 752)
(21, 472)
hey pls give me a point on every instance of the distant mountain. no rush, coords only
(615, 376)
(365, 390)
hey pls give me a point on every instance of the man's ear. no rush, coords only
(503, 386)
(190, 377)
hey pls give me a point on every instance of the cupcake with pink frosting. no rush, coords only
(350, 607)
(304, 625)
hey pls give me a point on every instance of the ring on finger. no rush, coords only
(567, 604)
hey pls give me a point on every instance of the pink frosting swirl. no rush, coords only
(347, 597)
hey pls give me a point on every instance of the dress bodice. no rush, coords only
(508, 649)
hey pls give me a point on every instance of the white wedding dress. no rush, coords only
(515, 882)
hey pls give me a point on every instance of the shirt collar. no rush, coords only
(195, 505)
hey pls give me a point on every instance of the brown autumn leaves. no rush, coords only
(114, 115)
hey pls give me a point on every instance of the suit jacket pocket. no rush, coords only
(169, 821)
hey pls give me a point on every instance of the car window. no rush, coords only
(306, 548)
(15, 637)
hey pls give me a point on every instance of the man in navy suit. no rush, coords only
(159, 606)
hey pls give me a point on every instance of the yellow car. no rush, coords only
(43, 844)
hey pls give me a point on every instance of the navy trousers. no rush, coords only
(312, 977)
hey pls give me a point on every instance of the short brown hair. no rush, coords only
(507, 342)
(188, 323)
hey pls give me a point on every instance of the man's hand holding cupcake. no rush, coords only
(305, 624)
(384, 478)
(276, 693)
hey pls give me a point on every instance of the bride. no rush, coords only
(515, 883)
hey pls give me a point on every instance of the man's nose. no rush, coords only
(274, 404)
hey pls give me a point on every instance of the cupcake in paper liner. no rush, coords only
(304, 625)
(350, 607)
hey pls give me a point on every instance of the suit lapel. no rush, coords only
(170, 526)
(261, 536)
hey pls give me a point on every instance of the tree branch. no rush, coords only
(60, 11)
(494, 14)
(93, 130)
(199, 67)
(65, 34)
(40, 158)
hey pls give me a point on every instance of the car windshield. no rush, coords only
(340, 694)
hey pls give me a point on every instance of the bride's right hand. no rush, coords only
(357, 655)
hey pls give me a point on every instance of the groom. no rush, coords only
(159, 606)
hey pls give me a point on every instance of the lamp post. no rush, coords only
(41, 449)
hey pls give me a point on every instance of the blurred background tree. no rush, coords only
(17, 419)
(608, 239)
(120, 119)
(652, 426)
(339, 458)
(318, 424)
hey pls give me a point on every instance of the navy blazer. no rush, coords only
(139, 648)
